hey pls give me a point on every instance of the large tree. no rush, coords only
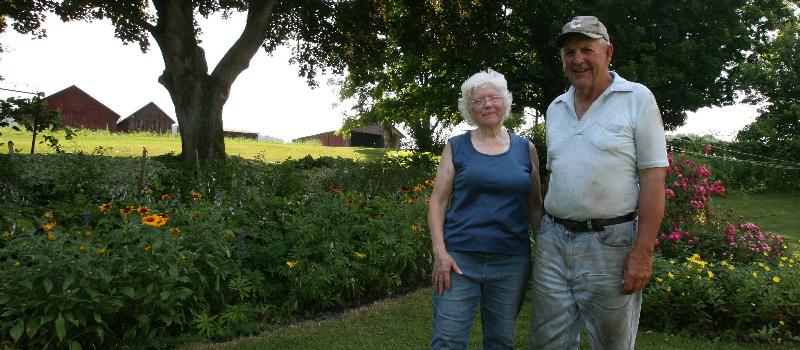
(684, 51)
(199, 93)
(773, 79)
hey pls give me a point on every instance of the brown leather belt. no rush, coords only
(594, 225)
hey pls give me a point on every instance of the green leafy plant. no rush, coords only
(33, 115)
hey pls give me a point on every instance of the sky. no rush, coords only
(268, 98)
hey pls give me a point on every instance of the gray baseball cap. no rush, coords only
(587, 25)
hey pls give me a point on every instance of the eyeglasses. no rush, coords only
(482, 102)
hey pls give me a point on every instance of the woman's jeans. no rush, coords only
(495, 282)
(577, 280)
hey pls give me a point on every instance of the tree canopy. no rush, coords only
(686, 52)
(773, 78)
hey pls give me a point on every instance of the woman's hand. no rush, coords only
(442, 264)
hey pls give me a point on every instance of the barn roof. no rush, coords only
(78, 92)
(145, 110)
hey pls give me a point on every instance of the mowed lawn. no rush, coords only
(776, 212)
(132, 144)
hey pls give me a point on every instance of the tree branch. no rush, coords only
(238, 57)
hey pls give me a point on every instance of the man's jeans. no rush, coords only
(496, 282)
(577, 280)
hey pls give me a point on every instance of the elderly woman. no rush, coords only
(486, 198)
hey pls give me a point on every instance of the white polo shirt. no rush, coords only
(594, 162)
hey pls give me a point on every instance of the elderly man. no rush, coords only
(606, 154)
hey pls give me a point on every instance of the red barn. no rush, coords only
(148, 118)
(365, 136)
(79, 110)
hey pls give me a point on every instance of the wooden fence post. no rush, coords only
(141, 170)
(10, 151)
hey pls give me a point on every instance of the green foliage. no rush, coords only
(773, 77)
(33, 115)
(721, 298)
(86, 259)
(738, 166)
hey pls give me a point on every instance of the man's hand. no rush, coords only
(637, 270)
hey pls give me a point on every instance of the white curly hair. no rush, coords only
(478, 80)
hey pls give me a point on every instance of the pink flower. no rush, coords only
(669, 193)
(675, 236)
(708, 149)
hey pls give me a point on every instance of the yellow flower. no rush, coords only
(101, 250)
(766, 268)
(695, 259)
(783, 258)
(669, 289)
(710, 274)
(176, 230)
(148, 248)
(48, 215)
(672, 261)
(196, 195)
(49, 226)
(82, 248)
(782, 323)
(183, 257)
(146, 191)
(154, 220)
(51, 236)
(196, 214)
(6, 234)
(291, 264)
(429, 183)
(776, 279)
(670, 275)
(127, 210)
(104, 207)
(142, 210)
(659, 279)
(755, 274)
(360, 255)
(418, 188)
(17, 263)
(88, 234)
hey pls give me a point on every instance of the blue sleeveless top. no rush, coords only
(488, 210)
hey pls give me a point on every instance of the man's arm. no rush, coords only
(535, 206)
(639, 264)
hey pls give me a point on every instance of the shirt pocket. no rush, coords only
(611, 136)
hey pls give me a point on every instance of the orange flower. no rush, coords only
(48, 215)
(142, 210)
(127, 210)
(104, 207)
(404, 189)
(49, 226)
(51, 236)
(429, 183)
(418, 188)
(146, 191)
(196, 195)
(196, 214)
(336, 189)
(349, 202)
(176, 230)
(154, 220)
(165, 197)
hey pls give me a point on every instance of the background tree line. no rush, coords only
(404, 60)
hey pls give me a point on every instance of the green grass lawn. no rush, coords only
(776, 212)
(127, 145)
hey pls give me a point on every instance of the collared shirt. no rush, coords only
(594, 161)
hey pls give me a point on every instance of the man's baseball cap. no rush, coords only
(587, 25)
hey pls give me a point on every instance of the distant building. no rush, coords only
(240, 134)
(79, 110)
(148, 118)
(366, 136)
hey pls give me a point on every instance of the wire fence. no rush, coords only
(742, 170)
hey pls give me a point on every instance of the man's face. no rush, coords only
(585, 61)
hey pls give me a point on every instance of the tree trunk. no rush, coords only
(198, 95)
